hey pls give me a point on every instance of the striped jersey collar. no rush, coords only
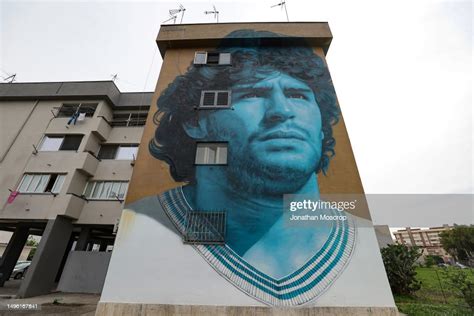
(303, 285)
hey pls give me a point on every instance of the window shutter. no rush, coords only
(200, 58)
(224, 59)
(222, 98)
(208, 99)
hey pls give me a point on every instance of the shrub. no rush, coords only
(399, 261)
(462, 282)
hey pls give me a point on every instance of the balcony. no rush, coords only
(62, 162)
(41, 206)
(96, 125)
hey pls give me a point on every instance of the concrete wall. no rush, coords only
(84, 272)
(384, 237)
(24, 123)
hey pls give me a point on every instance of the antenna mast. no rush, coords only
(174, 13)
(215, 12)
(11, 78)
(282, 5)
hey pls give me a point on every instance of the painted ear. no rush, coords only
(196, 130)
(322, 135)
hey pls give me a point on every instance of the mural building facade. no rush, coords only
(245, 186)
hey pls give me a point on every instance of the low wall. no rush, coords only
(84, 272)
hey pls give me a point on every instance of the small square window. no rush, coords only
(205, 228)
(215, 99)
(211, 154)
(212, 58)
(200, 58)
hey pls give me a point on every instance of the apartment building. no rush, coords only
(67, 152)
(242, 113)
(427, 239)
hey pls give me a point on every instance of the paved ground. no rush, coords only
(57, 303)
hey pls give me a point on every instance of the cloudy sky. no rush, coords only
(402, 70)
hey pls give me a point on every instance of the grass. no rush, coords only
(434, 298)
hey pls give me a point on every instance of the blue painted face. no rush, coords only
(274, 129)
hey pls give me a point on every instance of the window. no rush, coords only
(41, 183)
(65, 142)
(212, 58)
(106, 190)
(119, 152)
(205, 228)
(68, 109)
(129, 119)
(215, 99)
(211, 154)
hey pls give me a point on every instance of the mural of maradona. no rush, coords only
(280, 142)
(279, 134)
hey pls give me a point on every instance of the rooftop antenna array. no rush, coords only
(172, 17)
(215, 12)
(11, 78)
(174, 13)
(282, 5)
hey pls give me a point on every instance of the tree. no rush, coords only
(459, 243)
(399, 261)
(33, 243)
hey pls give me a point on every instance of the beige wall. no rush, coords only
(22, 126)
(342, 177)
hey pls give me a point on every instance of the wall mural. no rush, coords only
(279, 140)
(272, 146)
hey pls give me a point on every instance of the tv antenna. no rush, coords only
(174, 13)
(282, 5)
(11, 78)
(172, 17)
(215, 12)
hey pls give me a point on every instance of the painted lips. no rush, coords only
(291, 134)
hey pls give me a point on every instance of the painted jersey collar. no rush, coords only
(303, 285)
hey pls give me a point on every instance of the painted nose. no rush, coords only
(278, 109)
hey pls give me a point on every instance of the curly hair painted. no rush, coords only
(250, 60)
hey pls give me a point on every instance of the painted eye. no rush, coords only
(250, 95)
(297, 96)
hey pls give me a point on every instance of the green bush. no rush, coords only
(399, 261)
(462, 282)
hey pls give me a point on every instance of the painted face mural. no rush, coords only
(277, 136)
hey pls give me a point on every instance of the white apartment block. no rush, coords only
(67, 152)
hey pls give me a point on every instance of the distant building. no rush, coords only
(67, 152)
(427, 239)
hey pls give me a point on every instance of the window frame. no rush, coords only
(117, 150)
(216, 98)
(134, 119)
(46, 136)
(216, 159)
(119, 197)
(206, 58)
(77, 107)
(55, 188)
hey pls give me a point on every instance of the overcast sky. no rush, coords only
(402, 70)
